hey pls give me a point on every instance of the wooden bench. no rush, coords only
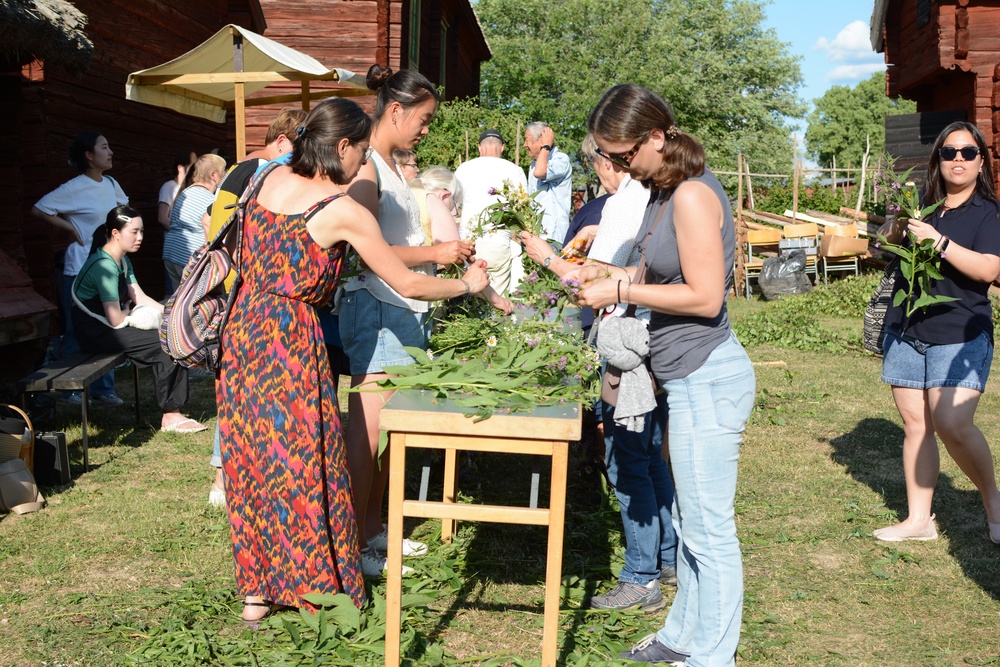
(75, 373)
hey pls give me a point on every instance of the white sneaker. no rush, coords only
(410, 547)
(374, 564)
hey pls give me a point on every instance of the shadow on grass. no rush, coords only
(872, 455)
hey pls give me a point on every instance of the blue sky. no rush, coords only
(832, 39)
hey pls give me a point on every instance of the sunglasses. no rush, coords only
(948, 153)
(621, 159)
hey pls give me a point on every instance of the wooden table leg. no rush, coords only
(553, 566)
(450, 494)
(394, 577)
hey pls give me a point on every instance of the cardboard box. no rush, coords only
(842, 246)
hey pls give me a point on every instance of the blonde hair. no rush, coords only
(205, 165)
(437, 178)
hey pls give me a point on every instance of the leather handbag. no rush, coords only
(18, 492)
(874, 319)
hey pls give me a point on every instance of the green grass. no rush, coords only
(128, 566)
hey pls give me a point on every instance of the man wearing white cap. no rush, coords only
(477, 178)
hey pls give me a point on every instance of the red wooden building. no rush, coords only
(67, 74)
(440, 38)
(944, 55)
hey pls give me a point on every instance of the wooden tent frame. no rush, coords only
(239, 78)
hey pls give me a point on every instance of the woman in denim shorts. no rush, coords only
(937, 361)
(376, 322)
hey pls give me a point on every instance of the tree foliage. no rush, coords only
(455, 130)
(845, 116)
(730, 81)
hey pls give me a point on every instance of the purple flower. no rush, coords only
(491, 191)
(878, 245)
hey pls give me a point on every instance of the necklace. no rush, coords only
(945, 207)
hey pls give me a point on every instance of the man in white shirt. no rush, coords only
(476, 179)
(551, 172)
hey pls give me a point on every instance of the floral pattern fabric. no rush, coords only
(287, 487)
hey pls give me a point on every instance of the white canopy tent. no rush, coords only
(218, 74)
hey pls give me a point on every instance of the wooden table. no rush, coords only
(415, 419)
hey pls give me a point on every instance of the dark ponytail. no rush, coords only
(117, 218)
(83, 143)
(408, 87)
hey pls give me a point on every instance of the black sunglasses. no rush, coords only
(948, 153)
(621, 159)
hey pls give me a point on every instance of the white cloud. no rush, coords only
(853, 73)
(851, 44)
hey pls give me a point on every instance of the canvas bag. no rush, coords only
(18, 492)
(196, 314)
(874, 318)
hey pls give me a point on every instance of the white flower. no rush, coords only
(430, 355)
(491, 341)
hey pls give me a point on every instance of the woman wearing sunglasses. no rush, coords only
(689, 240)
(937, 361)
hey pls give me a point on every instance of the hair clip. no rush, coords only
(301, 131)
(672, 131)
(124, 219)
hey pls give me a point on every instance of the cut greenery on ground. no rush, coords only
(129, 565)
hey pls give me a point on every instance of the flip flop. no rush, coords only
(184, 426)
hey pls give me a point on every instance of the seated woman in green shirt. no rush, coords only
(111, 313)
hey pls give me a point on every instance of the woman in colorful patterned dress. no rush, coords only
(289, 496)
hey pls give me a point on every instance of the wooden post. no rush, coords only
(517, 144)
(240, 93)
(864, 174)
(466, 145)
(739, 183)
(847, 183)
(795, 188)
(305, 96)
(746, 165)
(833, 177)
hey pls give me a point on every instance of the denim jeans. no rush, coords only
(707, 411)
(216, 460)
(103, 385)
(645, 494)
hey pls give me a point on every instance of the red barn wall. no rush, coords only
(950, 63)
(128, 35)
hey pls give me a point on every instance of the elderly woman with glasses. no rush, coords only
(937, 361)
(688, 241)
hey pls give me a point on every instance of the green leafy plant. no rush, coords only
(515, 366)
(919, 261)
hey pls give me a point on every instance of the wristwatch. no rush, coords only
(548, 260)
(546, 147)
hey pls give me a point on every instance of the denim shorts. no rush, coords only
(374, 332)
(911, 363)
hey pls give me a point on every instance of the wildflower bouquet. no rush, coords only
(488, 365)
(516, 211)
(544, 292)
(920, 261)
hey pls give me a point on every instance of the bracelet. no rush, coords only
(944, 246)
(466, 285)
(628, 293)
(619, 291)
